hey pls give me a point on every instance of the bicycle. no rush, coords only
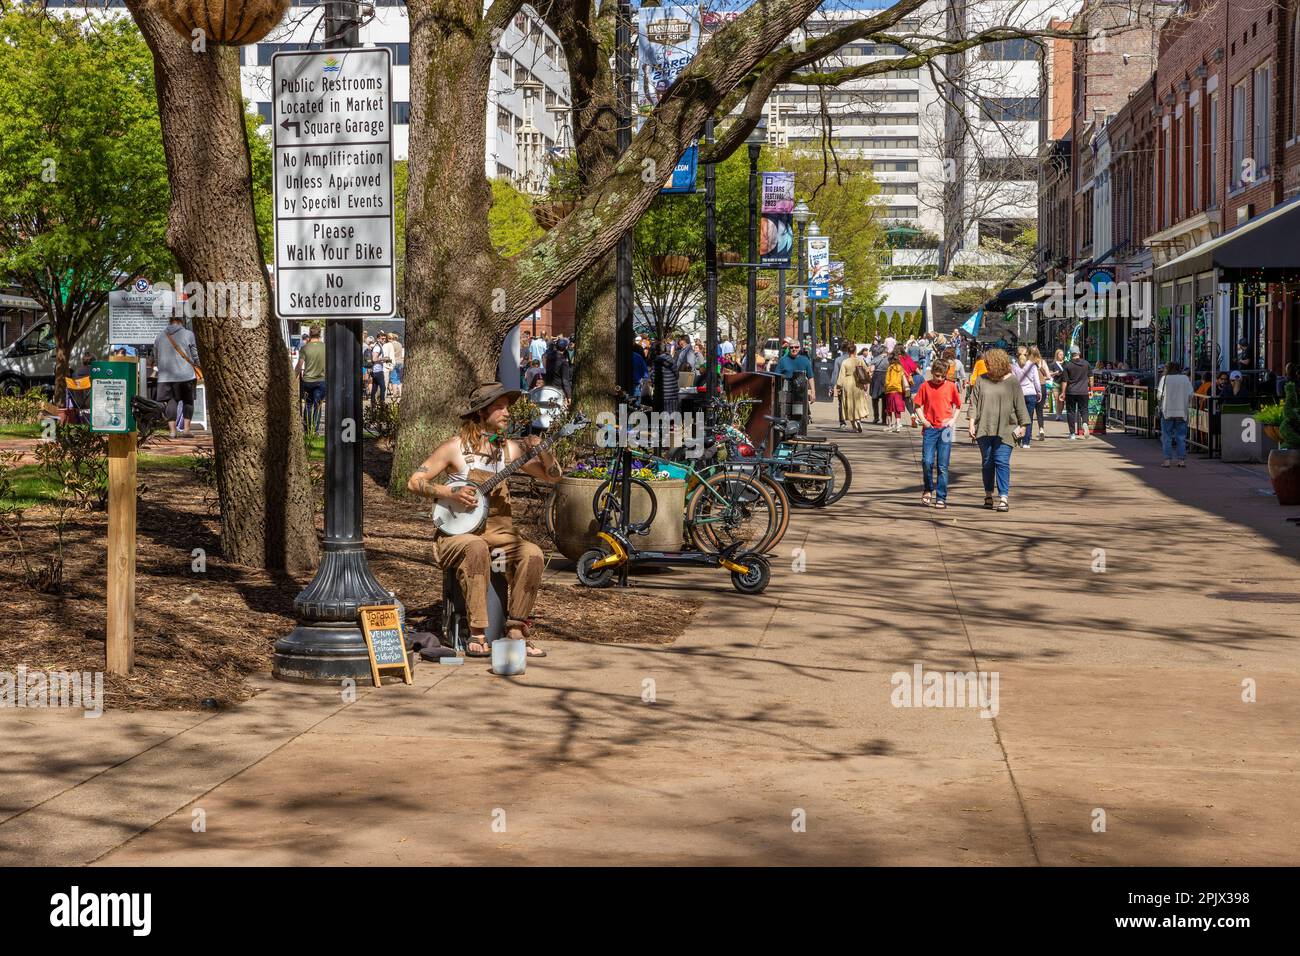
(750, 571)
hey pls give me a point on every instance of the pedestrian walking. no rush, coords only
(879, 366)
(1057, 367)
(896, 391)
(176, 358)
(1078, 378)
(850, 387)
(1049, 386)
(997, 421)
(937, 405)
(1173, 396)
(1031, 386)
(311, 380)
(912, 372)
(558, 372)
(846, 349)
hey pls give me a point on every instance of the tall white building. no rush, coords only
(528, 108)
(972, 126)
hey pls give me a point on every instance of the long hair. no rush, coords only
(997, 364)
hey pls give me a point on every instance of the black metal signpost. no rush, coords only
(328, 644)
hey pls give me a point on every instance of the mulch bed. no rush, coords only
(199, 637)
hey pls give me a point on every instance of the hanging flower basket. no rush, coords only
(670, 265)
(762, 284)
(550, 214)
(729, 257)
(232, 22)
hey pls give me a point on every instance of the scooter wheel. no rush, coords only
(598, 578)
(754, 581)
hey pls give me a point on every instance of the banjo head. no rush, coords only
(451, 518)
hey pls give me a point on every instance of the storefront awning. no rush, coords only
(1009, 297)
(18, 302)
(1264, 244)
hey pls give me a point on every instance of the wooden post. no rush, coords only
(120, 641)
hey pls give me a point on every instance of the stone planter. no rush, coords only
(1284, 473)
(576, 526)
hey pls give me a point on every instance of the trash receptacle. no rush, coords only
(824, 369)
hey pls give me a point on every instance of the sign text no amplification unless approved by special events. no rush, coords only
(333, 132)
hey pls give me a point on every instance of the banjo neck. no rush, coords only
(485, 487)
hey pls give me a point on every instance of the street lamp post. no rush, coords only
(755, 143)
(814, 231)
(801, 216)
(710, 271)
(623, 268)
(327, 645)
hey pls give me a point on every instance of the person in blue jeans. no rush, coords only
(1173, 395)
(998, 419)
(937, 403)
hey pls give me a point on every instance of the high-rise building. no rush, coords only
(528, 106)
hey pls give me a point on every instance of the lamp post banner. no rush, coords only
(776, 228)
(837, 281)
(668, 38)
(819, 267)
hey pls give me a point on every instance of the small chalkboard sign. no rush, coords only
(384, 640)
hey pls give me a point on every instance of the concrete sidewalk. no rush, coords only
(772, 736)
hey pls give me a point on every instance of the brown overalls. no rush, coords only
(470, 556)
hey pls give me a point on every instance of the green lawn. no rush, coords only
(31, 487)
(20, 431)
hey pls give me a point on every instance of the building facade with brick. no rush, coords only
(1227, 159)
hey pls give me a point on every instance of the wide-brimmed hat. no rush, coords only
(484, 395)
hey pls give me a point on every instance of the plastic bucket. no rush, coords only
(509, 657)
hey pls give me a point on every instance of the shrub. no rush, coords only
(22, 409)
(1290, 425)
(77, 459)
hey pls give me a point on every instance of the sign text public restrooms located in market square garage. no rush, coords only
(333, 133)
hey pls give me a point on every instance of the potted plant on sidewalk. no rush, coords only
(1284, 461)
(574, 517)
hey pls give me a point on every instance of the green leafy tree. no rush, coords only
(511, 225)
(83, 180)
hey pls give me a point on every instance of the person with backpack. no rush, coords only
(896, 392)
(375, 362)
(851, 386)
(176, 358)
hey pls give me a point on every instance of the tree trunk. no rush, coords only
(452, 271)
(267, 513)
(595, 369)
(461, 298)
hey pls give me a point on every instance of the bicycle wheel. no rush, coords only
(779, 498)
(807, 493)
(782, 502)
(841, 477)
(610, 494)
(730, 509)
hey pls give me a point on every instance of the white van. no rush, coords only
(771, 350)
(29, 361)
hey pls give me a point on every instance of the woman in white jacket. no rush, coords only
(1031, 386)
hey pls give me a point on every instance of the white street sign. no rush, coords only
(333, 132)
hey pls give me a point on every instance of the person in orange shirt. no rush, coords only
(1206, 381)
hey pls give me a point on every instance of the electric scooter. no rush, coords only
(750, 571)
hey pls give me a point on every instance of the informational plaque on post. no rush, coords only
(333, 143)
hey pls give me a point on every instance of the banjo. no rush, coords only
(451, 518)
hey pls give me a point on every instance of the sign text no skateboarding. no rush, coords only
(333, 135)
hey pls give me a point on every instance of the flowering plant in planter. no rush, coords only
(599, 469)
